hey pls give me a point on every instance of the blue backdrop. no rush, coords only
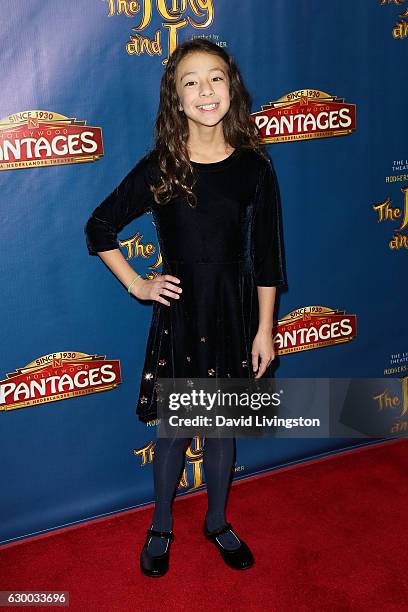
(91, 68)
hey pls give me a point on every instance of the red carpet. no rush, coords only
(335, 538)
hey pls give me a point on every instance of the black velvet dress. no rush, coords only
(221, 251)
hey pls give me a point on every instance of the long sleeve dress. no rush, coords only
(221, 251)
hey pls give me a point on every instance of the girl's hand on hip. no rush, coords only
(262, 349)
(152, 289)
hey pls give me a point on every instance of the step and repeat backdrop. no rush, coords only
(79, 95)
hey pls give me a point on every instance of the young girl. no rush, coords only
(212, 192)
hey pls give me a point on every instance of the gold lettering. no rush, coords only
(173, 31)
(398, 426)
(404, 389)
(183, 483)
(197, 473)
(129, 8)
(171, 15)
(111, 7)
(147, 15)
(195, 459)
(146, 453)
(202, 5)
(139, 44)
(397, 2)
(384, 400)
(405, 219)
(171, 11)
(400, 30)
(385, 212)
(398, 241)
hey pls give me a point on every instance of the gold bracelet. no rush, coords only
(134, 279)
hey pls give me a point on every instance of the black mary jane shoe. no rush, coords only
(158, 565)
(239, 558)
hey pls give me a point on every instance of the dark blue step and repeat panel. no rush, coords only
(79, 95)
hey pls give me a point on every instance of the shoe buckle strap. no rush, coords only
(221, 530)
(160, 534)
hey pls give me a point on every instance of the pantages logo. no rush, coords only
(56, 377)
(400, 29)
(311, 327)
(174, 15)
(304, 114)
(34, 138)
(386, 212)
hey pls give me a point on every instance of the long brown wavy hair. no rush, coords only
(177, 175)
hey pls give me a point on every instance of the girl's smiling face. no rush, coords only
(202, 86)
